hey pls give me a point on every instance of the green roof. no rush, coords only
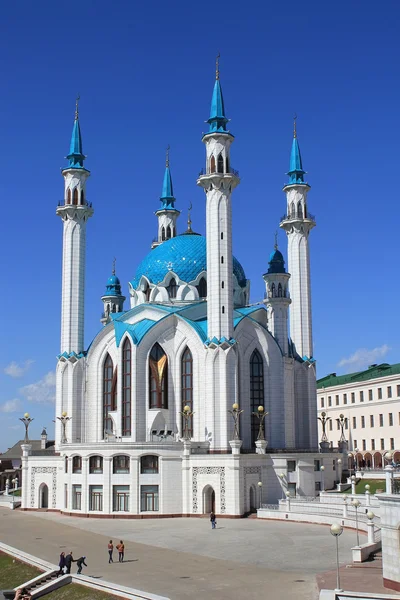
(373, 372)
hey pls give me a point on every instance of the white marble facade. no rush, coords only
(190, 338)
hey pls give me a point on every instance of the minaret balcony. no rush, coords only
(296, 217)
(230, 172)
(218, 180)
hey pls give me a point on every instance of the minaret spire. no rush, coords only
(217, 66)
(217, 120)
(167, 214)
(76, 156)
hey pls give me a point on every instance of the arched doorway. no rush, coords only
(253, 501)
(368, 460)
(43, 496)
(378, 460)
(208, 500)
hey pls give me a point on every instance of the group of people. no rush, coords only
(66, 561)
(22, 594)
(121, 551)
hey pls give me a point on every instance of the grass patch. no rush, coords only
(14, 573)
(15, 493)
(74, 591)
(375, 484)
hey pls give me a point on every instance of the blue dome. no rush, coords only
(276, 262)
(113, 280)
(185, 255)
(113, 286)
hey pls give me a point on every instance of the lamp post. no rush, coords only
(367, 495)
(235, 412)
(15, 483)
(322, 478)
(187, 414)
(353, 484)
(260, 488)
(355, 460)
(350, 456)
(64, 420)
(260, 414)
(370, 525)
(282, 477)
(26, 420)
(336, 531)
(356, 504)
(339, 462)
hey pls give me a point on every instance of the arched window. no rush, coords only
(114, 390)
(256, 391)
(212, 164)
(227, 165)
(147, 293)
(220, 163)
(126, 388)
(149, 464)
(162, 234)
(158, 378)
(292, 210)
(75, 197)
(69, 196)
(273, 290)
(82, 197)
(202, 288)
(96, 464)
(77, 464)
(280, 290)
(299, 211)
(168, 232)
(120, 464)
(187, 387)
(222, 260)
(108, 369)
(172, 288)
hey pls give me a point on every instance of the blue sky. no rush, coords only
(145, 74)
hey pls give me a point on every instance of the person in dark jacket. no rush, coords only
(79, 563)
(213, 520)
(68, 562)
(61, 564)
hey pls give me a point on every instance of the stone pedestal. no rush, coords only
(367, 498)
(236, 445)
(261, 446)
(371, 531)
(389, 478)
(343, 446)
(26, 450)
(345, 507)
(187, 444)
(390, 511)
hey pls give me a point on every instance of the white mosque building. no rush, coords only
(144, 423)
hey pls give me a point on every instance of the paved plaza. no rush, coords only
(184, 558)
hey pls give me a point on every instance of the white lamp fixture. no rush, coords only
(337, 530)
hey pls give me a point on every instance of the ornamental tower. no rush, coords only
(277, 298)
(113, 299)
(74, 212)
(167, 215)
(218, 182)
(298, 223)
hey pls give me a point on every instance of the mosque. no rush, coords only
(191, 399)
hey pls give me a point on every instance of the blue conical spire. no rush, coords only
(217, 118)
(167, 193)
(296, 171)
(276, 262)
(76, 156)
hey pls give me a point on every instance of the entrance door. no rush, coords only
(208, 500)
(253, 506)
(43, 496)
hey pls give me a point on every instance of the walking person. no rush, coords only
(121, 550)
(213, 520)
(79, 563)
(110, 551)
(61, 564)
(68, 562)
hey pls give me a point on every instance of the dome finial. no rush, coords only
(276, 241)
(294, 125)
(77, 107)
(189, 220)
(167, 155)
(217, 66)
(113, 267)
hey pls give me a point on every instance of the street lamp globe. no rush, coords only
(287, 494)
(336, 529)
(235, 406)
(281, 475)
(26, 415)
(353, 477)
(260, 409)
(64, 414)
(259, 484)
(339, 461)
(356, 503)
(367, 487)
(370, 515)
(322, 468)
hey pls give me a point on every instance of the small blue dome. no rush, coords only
(276, 262)
(113, 286)
(185, 255)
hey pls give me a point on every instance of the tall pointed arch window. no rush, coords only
(82, 197)
(299, 210)
(172, 288)
(212, 164)
(220, 163)
(158, 378)
(169, 233)
(187, 386)
(202, 288)
(162, 234)
(256, 391)
(75, 197)
(114, 389)
(273, 290)
(280, 290)
(292, 210)
(69, 196)
(126, 387)
(108, 370)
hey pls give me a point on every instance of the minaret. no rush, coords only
(218, 182)
(298, 223)
(167, 215)
(113, 299)
(277, 298)
(75, 212)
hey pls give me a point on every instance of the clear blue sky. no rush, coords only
(145, 73)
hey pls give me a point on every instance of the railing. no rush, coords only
(230, 171)
(295, 217)
(270, 506)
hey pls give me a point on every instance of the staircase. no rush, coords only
(34, 586)
(46, 578)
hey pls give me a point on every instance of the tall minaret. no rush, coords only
(298, 224)
(74, 212)
(218, 182)
(167, 215)
(277, 298)
(113, 300)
